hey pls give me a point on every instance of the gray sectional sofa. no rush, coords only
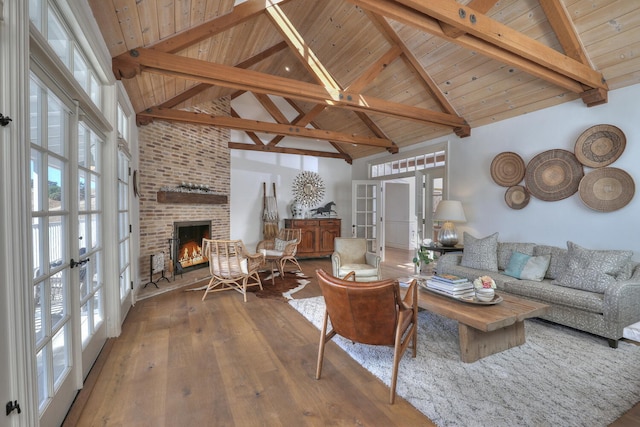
(590, 290)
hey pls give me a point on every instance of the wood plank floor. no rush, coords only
(182, 362)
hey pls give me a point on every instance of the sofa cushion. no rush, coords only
(480, 253)
(505, 249)
(592, 270)
(558, 262)
(523, 266)
(556, 295)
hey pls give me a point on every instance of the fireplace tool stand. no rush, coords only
(156, 265)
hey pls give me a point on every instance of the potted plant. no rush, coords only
(424, 261)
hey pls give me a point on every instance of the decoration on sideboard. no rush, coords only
(557, 174)
(324, 211)
(297, 210)
(308, 188)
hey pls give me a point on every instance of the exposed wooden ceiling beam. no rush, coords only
(415, 17)
(199, 88)
(242, 12)
(562, 25)
(286, 150)
(504, 37)
(257, 126)
(306, 55)
(128, 64)
(430, 86)
(482, 6)
(252, 135)
(307, 118)
(375, 69)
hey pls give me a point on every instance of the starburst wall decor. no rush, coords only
(308, 188)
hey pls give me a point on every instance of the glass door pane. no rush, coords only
(124, 237)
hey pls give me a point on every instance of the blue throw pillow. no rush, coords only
(527, 267)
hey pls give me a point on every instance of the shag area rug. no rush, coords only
(559, 377)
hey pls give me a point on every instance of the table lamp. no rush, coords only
(449, 211)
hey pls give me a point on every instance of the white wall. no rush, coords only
(250, 169)
(399, 215)
(544, 222)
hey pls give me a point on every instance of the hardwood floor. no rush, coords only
(182, 361)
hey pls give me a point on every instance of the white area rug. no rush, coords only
(559, 377)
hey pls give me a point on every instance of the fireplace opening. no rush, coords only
(187, 252)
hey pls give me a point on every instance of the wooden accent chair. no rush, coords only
(350, 254)
(231, 266)
(282, 248)
(370, 313)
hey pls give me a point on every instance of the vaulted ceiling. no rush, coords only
(357, 77)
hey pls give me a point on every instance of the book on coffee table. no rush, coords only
(450, 278)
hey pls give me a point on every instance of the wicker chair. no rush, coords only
(370, 313)
(231, 266)
(282, 248)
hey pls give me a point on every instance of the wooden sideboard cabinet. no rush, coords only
(317, 235)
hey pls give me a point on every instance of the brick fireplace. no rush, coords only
(174, 153)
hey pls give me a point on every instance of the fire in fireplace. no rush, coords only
(188, 245)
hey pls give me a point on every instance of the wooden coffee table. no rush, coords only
(484, 329)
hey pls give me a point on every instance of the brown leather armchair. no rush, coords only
(370, 313)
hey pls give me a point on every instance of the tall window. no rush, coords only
(48, 21)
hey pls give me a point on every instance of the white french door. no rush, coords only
(429, 189)
(366, 220)
(67, 253)
(124, 231)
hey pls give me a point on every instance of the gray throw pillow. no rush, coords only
(480, 253)
(592, 270)
(558, 263)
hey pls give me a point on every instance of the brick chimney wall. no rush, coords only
(172, 153)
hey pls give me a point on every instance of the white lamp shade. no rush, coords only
(450, 210)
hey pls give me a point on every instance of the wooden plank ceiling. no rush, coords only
(357, 77)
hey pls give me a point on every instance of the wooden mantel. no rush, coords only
(191, 198)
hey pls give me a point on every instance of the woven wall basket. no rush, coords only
(507, 169)
(607, 189)
(600, 146)
(517, 197)
(553, 175)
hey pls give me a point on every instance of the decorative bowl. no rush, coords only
(485, 294)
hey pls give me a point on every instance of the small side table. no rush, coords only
(443, 249)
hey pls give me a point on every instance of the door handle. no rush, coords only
(74, 263)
